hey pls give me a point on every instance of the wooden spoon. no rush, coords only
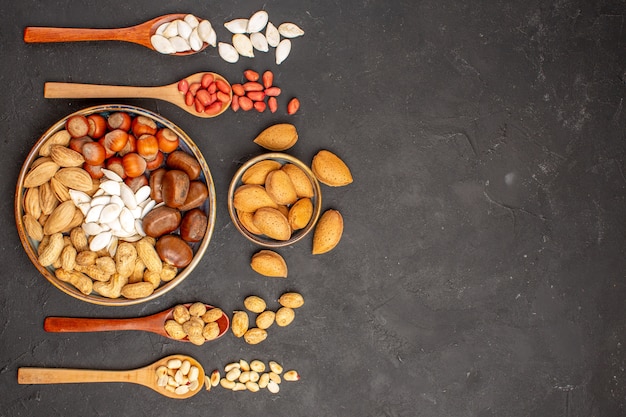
(139, 34)
(154, 324)
(168, 92)
(145, 376)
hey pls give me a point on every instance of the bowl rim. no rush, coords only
(27, 242)
(317, 200)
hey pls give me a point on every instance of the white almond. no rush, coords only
(194, 40)
(179, 44)
(228, 52)
(272, 35)
(257, 21)
(243, 45)
(204, 30)
(111, 175)
(142, 194)
(184, 30)
(259, 42)
(171, 30)
(191, 20)
(290, 30)
(282, 51)
(100, 241)
(111, 187)
(237, 25)
(162, 44)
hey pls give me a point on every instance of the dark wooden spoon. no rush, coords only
(154, 324)
(139, 34)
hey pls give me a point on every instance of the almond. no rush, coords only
(257, 173)
(33, 228)
(279, 186)
(251, 197)
(300, 213)
(75, 178)
(47, 199)
(278, 137)
(61, 192)
(327, 232)
(272, 223)
(269, 263)
(41, 174)
(330, 169)
(31, 202)
(245, 218)
(60, 218)
(66, 157)
(299, 179)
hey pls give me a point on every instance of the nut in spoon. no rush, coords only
(139, 34)
(169, 93)
(146, 376)
(154, 323)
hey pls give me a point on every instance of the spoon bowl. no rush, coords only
(139, 34)
(146, 376)
(169, 92)
(154, 323)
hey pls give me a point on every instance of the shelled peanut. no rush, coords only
(253, 376)
(197, 323)
(211, 95)
(178, 376)
(265, 318)
(259, 93)
(93, 176)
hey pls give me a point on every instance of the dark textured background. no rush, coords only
(481, 270)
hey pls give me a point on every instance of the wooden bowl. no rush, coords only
(199, 248)
(261, 239)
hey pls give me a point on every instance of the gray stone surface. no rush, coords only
(481, 270)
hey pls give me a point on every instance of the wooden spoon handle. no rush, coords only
(70, 376)
(54, 34)
(75, 90)
(81, 325)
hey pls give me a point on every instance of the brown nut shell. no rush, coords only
(251, 197)
(173, 250)
(327, 232)
(156, 184)
(161, 221)
(278, 137)
(279, 186)
(330, 169)
(198, 193)
(300, 213)
(175, 188)
(183, 161)
(193, 226)
(300, 180)
(257, 173)
(269, 263)
(272, 223)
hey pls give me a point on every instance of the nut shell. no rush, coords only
(328, 232)
(269, 263)
(330, 169)
(278, 137)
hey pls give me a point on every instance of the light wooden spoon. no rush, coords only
(169, 93)
(154, 323)
(145, 376)
(139, 34)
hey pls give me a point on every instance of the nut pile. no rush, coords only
(248, 36)
(265, 318)
(183, 35)
(88, 204)
(252, 94)
(253, 376)
(178, 376)
(195, 322)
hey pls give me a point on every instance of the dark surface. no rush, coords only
(481, 270)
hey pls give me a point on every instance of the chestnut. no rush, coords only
(193, 226)
(156, 184)
(161, 221)
(173, 250)
(196, 196)
(183, 161)
(175, 187)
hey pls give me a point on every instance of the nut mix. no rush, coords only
(90, 198)
(253, 376)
